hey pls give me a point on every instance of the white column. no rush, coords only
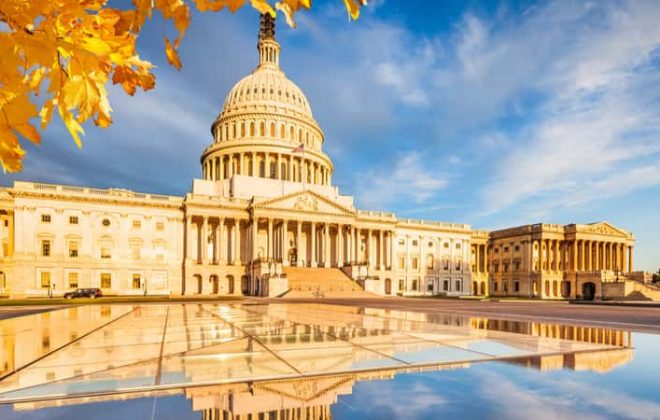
(326, 245)
(189, 238)
(269, 248)
(205, 241)
(299, 250)
(222, 246)
(340, 246)
(236, 246)
(381, 250)
(255, 232)
(285, 242)
(313, 240)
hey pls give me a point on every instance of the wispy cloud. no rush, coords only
(408, 178)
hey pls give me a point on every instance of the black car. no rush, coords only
(91, 293)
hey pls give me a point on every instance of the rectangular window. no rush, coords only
(402, 242)
(414, 243)
(516, 286)
(402, 262)
(506, 249)
(137, 281)
(429, 287)
(73, 280)
(106, 281)
(495, 285)
(415, 263)
(136, 251)
(73, 220)
(458, 245)
(516, 248)
(505, 285)
(159, 252)
(402, 285)
(106, 252)
(445, 285)
(446, 244)
(73, 249)
(45, 248)
(414, 285)
(137, 224)
(160, 226)
(45, 218)
(45, 279)
(458, 285)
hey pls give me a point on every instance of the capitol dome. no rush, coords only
(266, 128)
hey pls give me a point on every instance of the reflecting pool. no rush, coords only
(306, 361)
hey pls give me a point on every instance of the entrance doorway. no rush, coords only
(565, 289)
(388, 286)
(245, 285)
(588, 291)
(214, 284)
(230, 284)
(293, 257)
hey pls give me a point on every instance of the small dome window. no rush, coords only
(105, 222)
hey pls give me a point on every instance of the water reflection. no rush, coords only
(282, 361)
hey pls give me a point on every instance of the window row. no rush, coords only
(73, 280)
(430, 263)
(272, 130)
(430, 244)
(105, 222)
(106, 248)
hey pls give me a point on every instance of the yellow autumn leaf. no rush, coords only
(75, 129)
(171, 54)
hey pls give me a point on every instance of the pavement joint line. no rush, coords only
(356, 345)
(252, 336)
(162, 347)
(43, 356)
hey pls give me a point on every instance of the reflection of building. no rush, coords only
(249, 360)
(263, 216)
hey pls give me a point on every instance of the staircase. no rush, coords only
(637, 290)
(321, 282)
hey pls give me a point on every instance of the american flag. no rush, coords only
(299, 149)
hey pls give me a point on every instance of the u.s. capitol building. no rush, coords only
(266, 220)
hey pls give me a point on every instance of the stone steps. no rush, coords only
(321, 282)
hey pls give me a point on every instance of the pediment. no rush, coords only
(305, 201)
(605, 228)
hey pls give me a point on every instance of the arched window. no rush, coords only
(251, 129)
(234, 131)
(283, 172)
(273, 169)
(291, 135)
(242, 130)
(220, 133)
(272, 129)
(262, 129)
(262, 169)
(429, 262)
(300, 136)
(282, 132)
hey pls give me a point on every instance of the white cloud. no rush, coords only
(406, 179)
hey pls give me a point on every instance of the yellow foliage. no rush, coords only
(74, 47)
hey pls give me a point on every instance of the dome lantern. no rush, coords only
(269, 48)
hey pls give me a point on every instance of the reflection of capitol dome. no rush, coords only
(264, 118)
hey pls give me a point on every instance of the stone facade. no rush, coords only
(266, 202)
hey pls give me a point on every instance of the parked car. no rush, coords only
(91, 293)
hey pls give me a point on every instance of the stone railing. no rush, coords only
(86, 191)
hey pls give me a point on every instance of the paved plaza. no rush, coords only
(110, 349)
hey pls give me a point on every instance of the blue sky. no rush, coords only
(488, 113)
